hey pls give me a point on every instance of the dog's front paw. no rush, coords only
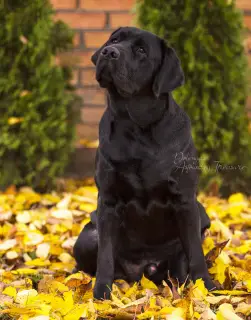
(209, 284)
(102, 291)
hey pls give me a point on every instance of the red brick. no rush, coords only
(243, 4)
(85, 58)
(88, 77)
(107, 4)
(64, 4)
(83, 20)
(76, 39)
(247, 44)
(247, 21)
(95, 96)
(87, 131)
(249, 103)
(121, 19)
(80, 58)
(96, 39)
(91, 114)
(249, 60)
(74, 80)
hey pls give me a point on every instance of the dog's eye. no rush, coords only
(141, 50)
(115, 40)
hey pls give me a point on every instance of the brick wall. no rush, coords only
(93, 21)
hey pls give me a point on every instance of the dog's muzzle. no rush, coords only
(110, 53)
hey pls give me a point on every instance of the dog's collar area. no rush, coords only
(145, 114)
(144, 111)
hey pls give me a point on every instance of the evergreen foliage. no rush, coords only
(37, 102)
(207, 36)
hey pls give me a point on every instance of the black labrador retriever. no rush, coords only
(148, 219)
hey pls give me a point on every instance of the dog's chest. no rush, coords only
(123, 142)
(138, 158)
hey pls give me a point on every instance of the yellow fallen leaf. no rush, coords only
(65, 202)
(217, 299)
(57, 287)
(208, 314)
(23, 296)
(38, 263)
(19, 311)
(63, 306)
(147, 315)
(40, 318)
(23, 217)
(89, 144)
(5, 300)
(230, 292)
(219, 270)
(208, 245)
(101, 305)
(33, 238)
(60, 266)
(147, 284)
(199, 290)
(248, 285)
(10, 291)
(115, 301)
(236, 197)
(56, 250)
(226, 311)
(43, 250)
(57, 304)
(62, 214)
(68, 298)
(77, 279)
(245, 248)
(78, 312)
(243, 308)
(69, 243)
(132, 290)
(8, 244)
(11, 255)
(65, 257)
(137, 302)
(87, 207)
(167, 310)
(14, 120)
(219, 226)
(23, 271)
(5, 216)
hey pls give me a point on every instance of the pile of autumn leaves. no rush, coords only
(37, 233)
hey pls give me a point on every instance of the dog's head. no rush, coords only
(133, 59)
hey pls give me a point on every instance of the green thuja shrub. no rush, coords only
(37, 103)
(207, 36)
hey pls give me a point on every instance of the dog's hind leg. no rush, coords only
(205, 221)
(86, 248)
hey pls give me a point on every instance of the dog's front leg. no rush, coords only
(107, 223)
(188, 220)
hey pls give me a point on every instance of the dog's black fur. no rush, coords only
(147, 219)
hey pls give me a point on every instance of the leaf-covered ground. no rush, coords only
(37, 233)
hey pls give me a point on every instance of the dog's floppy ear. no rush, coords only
(170, 75)
(95, 56)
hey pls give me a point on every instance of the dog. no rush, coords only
(148, 219)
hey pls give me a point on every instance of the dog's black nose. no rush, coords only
(110, 53)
